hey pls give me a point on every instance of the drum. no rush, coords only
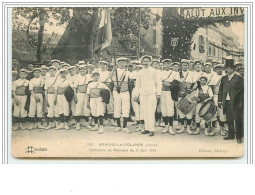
(61, 91)
(186, 104)
(207, 111)
(124, 86)
(38, 90)
(82, 88)
(183, 87)
(95, 92)
(215, 89)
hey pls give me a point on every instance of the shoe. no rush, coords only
(61, 126)
(66, 126)
(239, 141)
(197, 131)
(101, 130)
(88, 126)
(162, 124)
(166, 129)
(117, 129)
(126, 130)
(139, 128)
(40, 126)
(206, 132)
(178, 127)
(145, 132)
(95, 128)
(181, 130)
(49, 126)
(222, 131)
(30, 127)
(15, 128)
(212, 133)
(229, 137)
(171, 131)
(151, 134)
(78, 126)
(189, 131)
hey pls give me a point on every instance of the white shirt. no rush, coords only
(206, 89)
(19, 82)
(196, 76)
(36, 82)
(94, 84)
(104, 76)
(49, 82)
(63, 83)
(216, 79)
(209, 77)
(81, 80)
(121, 73)
(229, 78)
(148, 82)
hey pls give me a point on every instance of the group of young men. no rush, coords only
(66, 95)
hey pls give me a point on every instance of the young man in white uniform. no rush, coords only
(60, 100)
(81, 97)
(149, 89)
(36, 87)
(95, 101)
(121, 96)
(20, 98)
(167, 103)
(50, 97)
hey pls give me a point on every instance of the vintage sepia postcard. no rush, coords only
(128, 82)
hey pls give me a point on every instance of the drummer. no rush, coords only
(215, 84)
(204, 94)
(186, 80)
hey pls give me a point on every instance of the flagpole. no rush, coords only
(114, 55)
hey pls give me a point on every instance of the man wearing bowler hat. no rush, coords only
(230, 98)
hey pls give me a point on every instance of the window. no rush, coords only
(201, 43)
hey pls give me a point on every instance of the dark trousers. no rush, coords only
(234, 121)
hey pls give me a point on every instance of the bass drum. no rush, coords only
(186, 104)
(207, 111)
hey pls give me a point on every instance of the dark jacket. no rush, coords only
(235, 88)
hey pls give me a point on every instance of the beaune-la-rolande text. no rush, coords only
(126, 144)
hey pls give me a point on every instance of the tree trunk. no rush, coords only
(40, 35)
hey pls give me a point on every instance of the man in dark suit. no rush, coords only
(231, 99)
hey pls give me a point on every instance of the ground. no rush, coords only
(85, 143)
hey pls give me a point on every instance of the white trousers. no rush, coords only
(19, 111)
(138, 110)
(81, 108)
(63, 105)
(219, 110)
(36, 107)
(167, 104)
(148, 106)
(121, 104)
(73, 107)
(97, 106)
(52, 110)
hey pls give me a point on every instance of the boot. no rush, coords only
(126, 130)
(188, 130)
(181, 130)
(78, 126)
(139, 128)
(15, 127)
(212, 133)
(117, 129)
(61, 126)
(30, 126)
(222, 131)
(178, 126)
(101, 129)
(206, 132)
(171, 131)
(87, 125)
(166, 129)
(40, 126)
(49, 126)
(66, 126)
(197, 131)
(22, 127)
(95, 128)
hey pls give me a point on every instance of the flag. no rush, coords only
(104, 32)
